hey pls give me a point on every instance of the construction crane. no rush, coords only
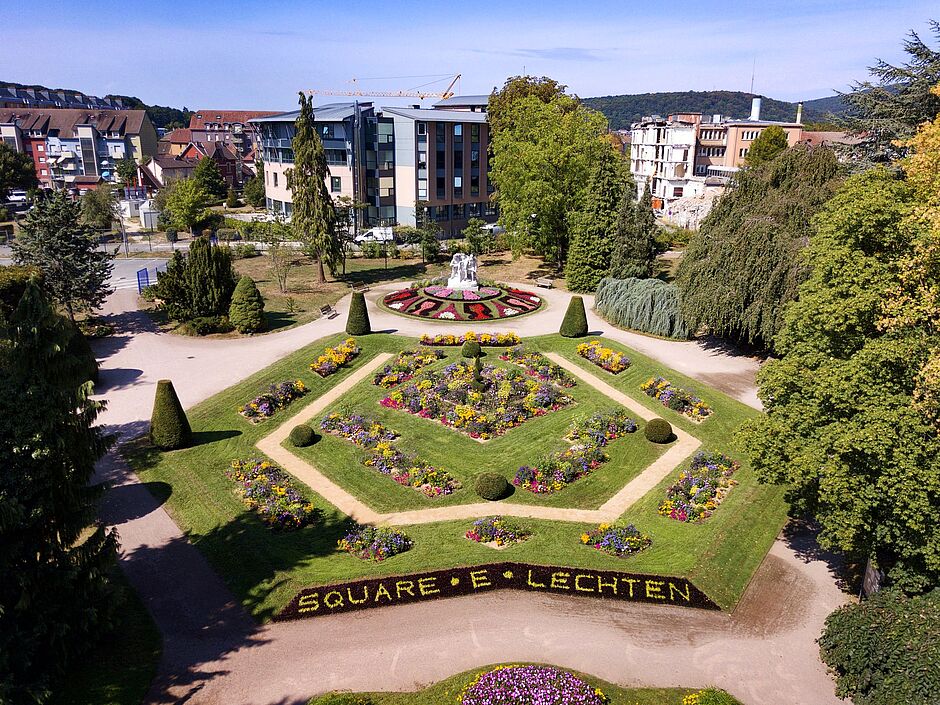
(408, 93)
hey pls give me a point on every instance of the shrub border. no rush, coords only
(441, 584)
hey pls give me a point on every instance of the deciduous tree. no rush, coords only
(209, 177)
(184, 204)
(75, 272)
(127, 171)
(769, 143)
(17, 171)
(99, 207)
(254, 187)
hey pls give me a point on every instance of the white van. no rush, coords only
(376, 235)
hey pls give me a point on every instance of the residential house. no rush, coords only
(13, 97)
(230, 127)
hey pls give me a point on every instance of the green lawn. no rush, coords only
(449, 690)
(119, 669)
(266, 568)
(465, 458)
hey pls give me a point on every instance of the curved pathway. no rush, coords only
(214, 652)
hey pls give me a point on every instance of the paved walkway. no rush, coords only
(352, 506)
(764, 652)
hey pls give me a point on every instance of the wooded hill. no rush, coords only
(623, 110)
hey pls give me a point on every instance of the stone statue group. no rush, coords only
(463, 272)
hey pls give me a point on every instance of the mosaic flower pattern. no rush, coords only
(443, 303)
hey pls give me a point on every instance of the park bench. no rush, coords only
(359, 288)
(545, 282)
(328, 311)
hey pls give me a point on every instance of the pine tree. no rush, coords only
(75, 273)
(209, 178)
(169, 426)
(634, 241)
(246, 312)
(314, 217)
(199, 284)
(592, 226)
(55, 597)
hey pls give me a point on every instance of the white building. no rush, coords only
(662, 155)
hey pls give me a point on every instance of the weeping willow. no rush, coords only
(647, 305)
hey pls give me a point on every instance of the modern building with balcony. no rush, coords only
(77, 149)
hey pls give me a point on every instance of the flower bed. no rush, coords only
(374, 543)
(537, 365)
(334, 358)
(676, 398)
(405, 366)
(494, 340)
(530, 685)
(610, 360)
(268, 490)
(420, 302)
(387, 458)
(700, 489)
(498, 530)
(558, 470)
(277, 397)
(444, 292)
(503, 399)
(617, 540)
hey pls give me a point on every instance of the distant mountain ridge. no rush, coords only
(160, 115)
(623, 110)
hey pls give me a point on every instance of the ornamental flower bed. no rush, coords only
(373, 543)
(334, 358)
(530, 685)
(676, 398)
(498, 530)
(617, 540)
(610, 360)
(444, 292)
(699, 490)
(387, 458)
(422, 303)
(268, 490)
(589, 436)
(494, 340)
(537, 365)
(277, 397)
(405, 366)
(504, 399)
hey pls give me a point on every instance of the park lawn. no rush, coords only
(465, 458)
(121, 667)
(265, 568)
(450, 689)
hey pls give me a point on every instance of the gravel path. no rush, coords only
(214, 653)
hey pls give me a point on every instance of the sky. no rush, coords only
(256, 54)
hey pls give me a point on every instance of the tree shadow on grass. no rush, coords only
(203, 437)
(276, 320)
(379, 274)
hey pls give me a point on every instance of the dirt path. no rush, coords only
(214, 653)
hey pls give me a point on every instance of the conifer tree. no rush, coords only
(634, 237)
(314, 216)
(199, 284)
(209, 177)
(75, 272)
(55, 597)
(246, 312)
(592, 226)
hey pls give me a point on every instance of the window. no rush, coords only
(266, 175)
(458, 131)
(336, 184)
(475, 158)
(422, 160)
(458, 158)
(335, 156)
(458, 211)
(327, 131)
(441, 188)
(274, 176)
(677, 192)
(422, 189)
(700, 170)
(40, 148)
(742, 152)
(474, 185)
(439, 132)
(422, 128)
(386, 186)
(490, 209)
(442, 213)
(474, 133)
(473, 210)
(42, 160)
(458, 186)
(43, 172)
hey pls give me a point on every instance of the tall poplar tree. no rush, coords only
(634, 237)
(591, 226)
(313, 218)
(55, 597)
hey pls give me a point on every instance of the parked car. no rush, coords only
(376, 235)
(16, 196)
(494, 228)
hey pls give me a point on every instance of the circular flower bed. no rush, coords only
(445, 304)
(530, 685)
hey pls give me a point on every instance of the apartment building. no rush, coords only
(389, 158)
(77, 149)
(13, 97)
(717, 148)
(229, 127)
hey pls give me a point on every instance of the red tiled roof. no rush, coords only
(65, 120)
(181, 135)
(201, 117)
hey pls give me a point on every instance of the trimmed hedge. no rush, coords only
(302, 436)
(358, 321)
(647, 305)
(246, 312)
(491, 486)
(574, 324)
(169, 427)
(658, 431)
(471, 348)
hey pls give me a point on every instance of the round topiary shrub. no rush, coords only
(246, 312)
(658, 431)
(574, 325)
(169, 427)
(471, 348)
(358, 321)
(302, 436)
(491, 486)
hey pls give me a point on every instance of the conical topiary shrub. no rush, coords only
(574, 324)
(169, 427)
(358, 321)
(246, 311)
